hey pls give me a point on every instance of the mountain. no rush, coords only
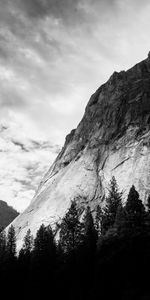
(7, 214)
(113, 138)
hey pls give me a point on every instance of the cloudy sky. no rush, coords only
(53, 55)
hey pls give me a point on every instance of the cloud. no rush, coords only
(64, 9)
(23, 163)
(57, 52)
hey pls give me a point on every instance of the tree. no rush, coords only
(98, 220)
(135, 209)
(44, 259)
(71, 229)
(40, 244)
(11, 242)
(90, 233)
(44, 240)
(121, 219)
(24, 259)
(2, 243)
(148, 204)
(44, 250)
(28, 242)
(11, 259)
(113, 201)
(2, 250)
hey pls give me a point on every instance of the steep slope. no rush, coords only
(113, 138)
(7, 214)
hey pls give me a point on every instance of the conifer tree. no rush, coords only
(40, 241)
(2, 241)
(44, 251)
(44, 240)
(11, 242)
(28, 242)
(11, 260)
(135, 209)
(98, 220)
(113, 201)
(71, 229)
(121, 219)
(24, 259)
(148, 204)
(90, 233)
(147, 213)
(2, 246)
(43, 261)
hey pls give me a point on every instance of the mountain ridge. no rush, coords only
(7, 214)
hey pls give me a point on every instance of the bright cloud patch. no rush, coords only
(23, 162)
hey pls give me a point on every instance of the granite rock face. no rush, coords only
(113, 138)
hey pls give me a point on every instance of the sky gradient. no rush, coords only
(53, 55)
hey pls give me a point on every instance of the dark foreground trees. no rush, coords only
(71, 232)
(105, 257)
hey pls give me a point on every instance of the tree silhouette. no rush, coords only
(121, 219)
(2, 244)
(11, 242)
(28, 242)
(148, 204)
(71, 229)
(44, 251)
(135, 209)
(113, 201)
(98, 220)
(25, 254)
(90, 233)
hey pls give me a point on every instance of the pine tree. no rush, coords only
(11, 242)
(113, 201)
(71, 229)
(51, 245)
(2, 246)
(39, 242)
(148, 204)
(24, 259)
(135, 209)
(147, 213)
(43, 261)
(28, 242)
(121, 219)
(98, 220)
(44, 251)
(11, 259)
(44, 240)
(2, 241)
(90, 233)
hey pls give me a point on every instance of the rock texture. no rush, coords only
(113, 138)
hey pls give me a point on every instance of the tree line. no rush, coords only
(84, 260)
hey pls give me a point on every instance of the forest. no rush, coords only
(94, 255)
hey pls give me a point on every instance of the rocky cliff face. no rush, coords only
(113, 138)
